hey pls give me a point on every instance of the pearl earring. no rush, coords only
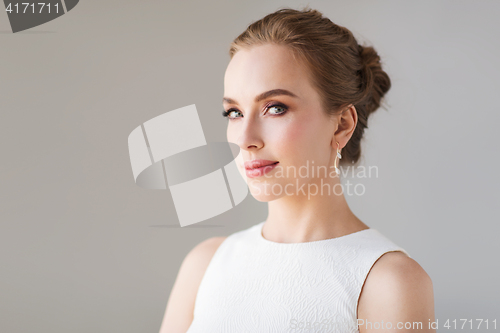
(339, 156)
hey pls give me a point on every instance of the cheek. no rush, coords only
(291, 138)
(300, 140)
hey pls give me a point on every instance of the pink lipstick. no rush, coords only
(258, 168)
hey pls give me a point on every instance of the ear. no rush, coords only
(346, 124)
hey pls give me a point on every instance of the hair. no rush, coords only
(343, 72)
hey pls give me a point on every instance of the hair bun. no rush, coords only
(374, 80)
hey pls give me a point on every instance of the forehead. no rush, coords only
(264, 67)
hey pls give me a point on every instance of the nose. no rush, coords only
(246, 134)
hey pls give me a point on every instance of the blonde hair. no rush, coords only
(342, 71)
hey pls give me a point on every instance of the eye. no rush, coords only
(228, 112)
(278, 106)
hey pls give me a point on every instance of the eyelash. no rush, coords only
(226, 113)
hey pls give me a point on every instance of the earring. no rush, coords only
(339, 156)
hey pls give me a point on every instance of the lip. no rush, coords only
(254, 164)
(258, 168)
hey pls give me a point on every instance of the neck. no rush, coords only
(303, 218)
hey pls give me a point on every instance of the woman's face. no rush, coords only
(291, 130)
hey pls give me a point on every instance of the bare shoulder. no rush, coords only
(397, 289)
(201, 255)
(180, 306)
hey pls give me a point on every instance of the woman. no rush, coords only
(298, 93)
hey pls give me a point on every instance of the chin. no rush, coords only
(265, 198)
(261, 190)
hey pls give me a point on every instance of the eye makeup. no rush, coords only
(271, 105)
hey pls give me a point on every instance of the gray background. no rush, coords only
(83, 249)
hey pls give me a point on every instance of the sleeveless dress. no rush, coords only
(255, 285)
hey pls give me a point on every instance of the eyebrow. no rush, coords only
(267, 94)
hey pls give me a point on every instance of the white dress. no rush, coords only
(256, 285)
